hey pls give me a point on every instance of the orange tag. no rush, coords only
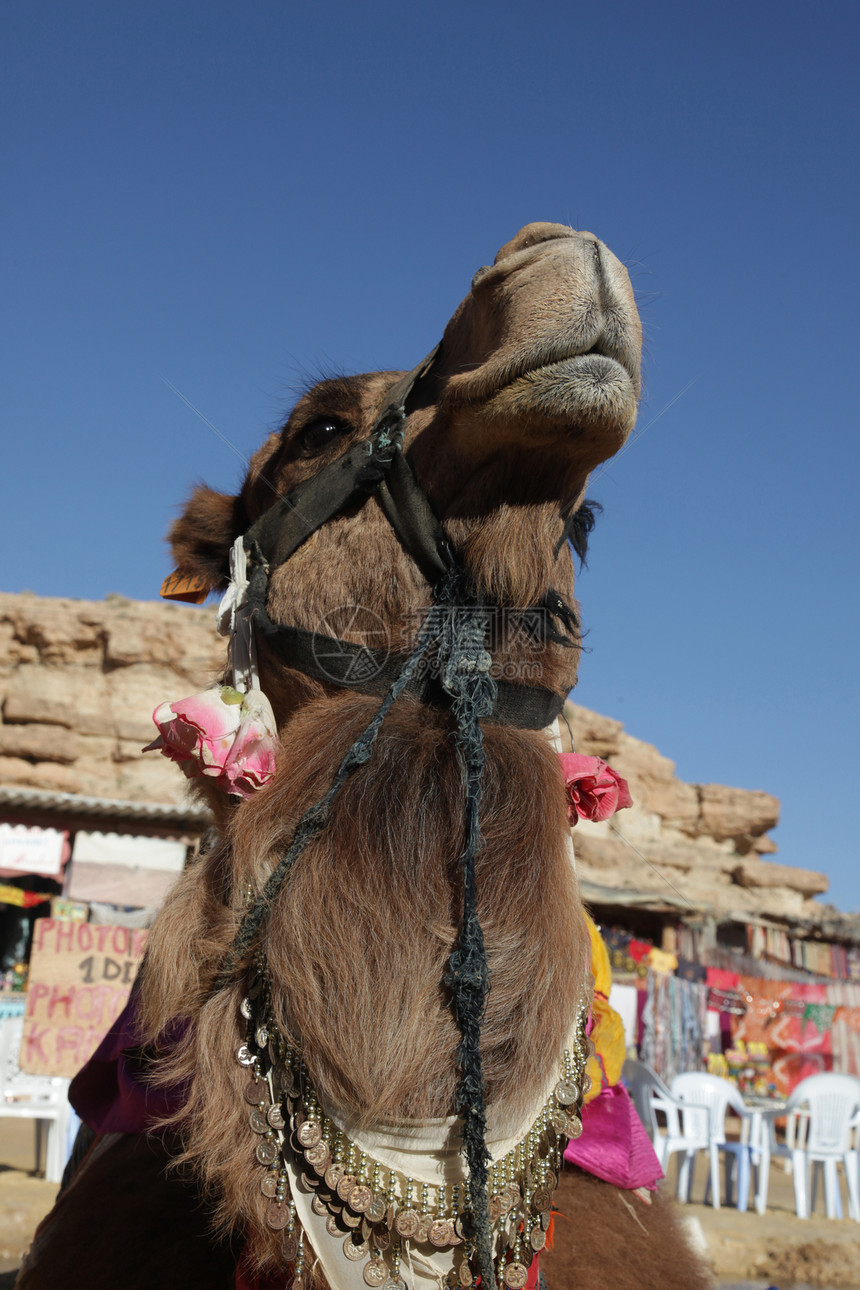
(185, 586)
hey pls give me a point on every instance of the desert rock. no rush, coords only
(79, 681)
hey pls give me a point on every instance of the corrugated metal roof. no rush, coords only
(14, 798)
(659, 902)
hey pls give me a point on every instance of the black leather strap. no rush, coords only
(368, 671)
(282, 529)
(414, 521)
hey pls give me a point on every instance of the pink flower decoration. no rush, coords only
(594, 790)
(221, 733)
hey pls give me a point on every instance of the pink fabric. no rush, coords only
(721, 978)
(109, 1093)
(221, 733)
(594, 790)
(613, 1144)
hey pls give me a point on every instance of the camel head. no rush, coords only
(536, 382)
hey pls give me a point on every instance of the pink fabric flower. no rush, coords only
(221, 733)
(594, 790)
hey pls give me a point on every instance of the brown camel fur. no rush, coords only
(536, 383)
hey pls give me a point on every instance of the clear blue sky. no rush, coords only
(231, 196)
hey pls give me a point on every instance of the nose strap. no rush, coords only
(414, 521)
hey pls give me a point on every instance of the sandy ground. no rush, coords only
(777, 1247)
(773, 1249)
(25, 1197)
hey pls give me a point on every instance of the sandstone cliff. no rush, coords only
(703, 842)
(79, 681)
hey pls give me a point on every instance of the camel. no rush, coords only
(361, 1020)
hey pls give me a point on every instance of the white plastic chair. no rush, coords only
(833, 1103)
(708, 1098)
(34, 1097)
(651, 1098)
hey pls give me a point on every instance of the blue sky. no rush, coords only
(231, 197)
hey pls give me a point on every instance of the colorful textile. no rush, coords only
(23, 899)
(820, 1014)
(662, 961)
(721, 978)
(778, 1015)
(600, 968)
(607, 1034)
(674, 1026)
(613, 1144)
(805, 1025)
(846, 1026)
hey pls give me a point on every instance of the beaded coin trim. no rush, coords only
(373, 1210)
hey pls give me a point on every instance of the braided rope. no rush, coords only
(465, 674)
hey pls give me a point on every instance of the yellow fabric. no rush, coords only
(607, 1030)
(662, 961)
(600, 968)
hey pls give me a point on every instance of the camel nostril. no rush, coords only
(532, 235)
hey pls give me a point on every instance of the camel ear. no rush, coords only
(202, 536)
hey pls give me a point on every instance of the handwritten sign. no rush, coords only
(80, 978)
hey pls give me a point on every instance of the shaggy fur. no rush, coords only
(609, 1239)
(536, 382)
(359, 938)
(127, 1198)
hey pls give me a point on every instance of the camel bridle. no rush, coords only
(456, 628)
(377, 466)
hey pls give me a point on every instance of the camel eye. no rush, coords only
(319, 433)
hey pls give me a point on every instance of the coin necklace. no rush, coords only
(375, 1211)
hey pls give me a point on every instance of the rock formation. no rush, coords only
(704, 841)
(79, 680)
